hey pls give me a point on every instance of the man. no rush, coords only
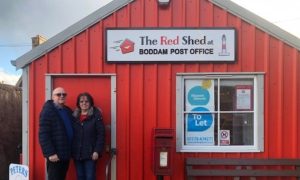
(55, 134)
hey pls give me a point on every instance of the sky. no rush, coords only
(22, 19)
(283, 13)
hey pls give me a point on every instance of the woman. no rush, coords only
(88, 142)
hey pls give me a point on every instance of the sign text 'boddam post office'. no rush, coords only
(142, 45)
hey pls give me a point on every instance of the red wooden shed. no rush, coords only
(225, 80)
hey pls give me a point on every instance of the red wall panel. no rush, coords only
(96, 48)
(54, 61)
(136, 121)
(123, 109)
(206, 14)
(289, 104)
(36, 99)
(163, 96)
(297, 99)
(81, 52)
(191, 13)
(274, 124)
(149, 115)
(68, 56)
(146, 93)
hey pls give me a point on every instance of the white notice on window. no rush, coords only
(243, 99)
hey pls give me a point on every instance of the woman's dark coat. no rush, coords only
(88, 135)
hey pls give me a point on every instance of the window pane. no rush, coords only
(240, 127)
(229, 99)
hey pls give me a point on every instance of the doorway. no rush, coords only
(103, 89)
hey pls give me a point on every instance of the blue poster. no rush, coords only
(199, 121)
(199, 99)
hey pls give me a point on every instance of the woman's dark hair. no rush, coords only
(88, 96)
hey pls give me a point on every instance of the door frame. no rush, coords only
(48, 90)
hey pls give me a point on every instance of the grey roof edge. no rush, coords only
(259, 22)
(69, 32)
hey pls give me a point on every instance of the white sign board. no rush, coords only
(18, 172)
(173, 45)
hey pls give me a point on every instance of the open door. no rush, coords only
(102, 88)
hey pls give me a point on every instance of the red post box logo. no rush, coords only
(126, 46)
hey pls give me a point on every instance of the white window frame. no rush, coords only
(258, 108)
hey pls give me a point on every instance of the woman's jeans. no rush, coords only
(86, 169)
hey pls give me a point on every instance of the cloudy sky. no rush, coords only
(283, 13)
(22, 19)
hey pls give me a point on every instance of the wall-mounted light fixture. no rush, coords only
(163, 2)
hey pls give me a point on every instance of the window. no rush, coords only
(219, 112)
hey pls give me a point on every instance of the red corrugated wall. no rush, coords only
(146, 92)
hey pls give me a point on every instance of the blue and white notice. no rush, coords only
(19, 172)
(199, 129)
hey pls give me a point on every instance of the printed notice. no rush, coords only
(163, 159)
(224, 137)
(243, 98)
